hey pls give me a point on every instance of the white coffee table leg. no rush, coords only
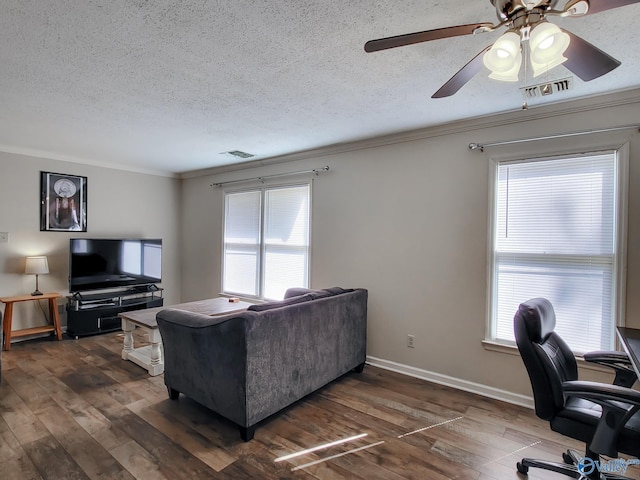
(128, 328)
(156, 366)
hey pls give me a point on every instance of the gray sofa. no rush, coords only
(249, 365)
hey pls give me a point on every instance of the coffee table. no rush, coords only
(150, 357)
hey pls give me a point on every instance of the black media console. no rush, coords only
(93, 313)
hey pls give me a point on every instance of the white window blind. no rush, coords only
(266, 241)
(242, 243)
(555, 237)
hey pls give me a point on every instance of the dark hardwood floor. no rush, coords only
(74, 410)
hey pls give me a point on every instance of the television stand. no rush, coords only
(91, 313)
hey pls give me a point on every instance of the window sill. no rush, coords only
(242, 299)
(513, 350)
(500, 347)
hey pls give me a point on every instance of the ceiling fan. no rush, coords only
(528, 30)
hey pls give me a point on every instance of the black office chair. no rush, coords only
(1, 345)
(603, 416)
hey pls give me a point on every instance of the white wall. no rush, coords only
(120, 204)
(408, 221)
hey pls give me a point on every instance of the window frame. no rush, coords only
(262, 246)
(619, 262)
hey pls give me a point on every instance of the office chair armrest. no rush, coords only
(603, 393)
(618, 361)
(618, 404)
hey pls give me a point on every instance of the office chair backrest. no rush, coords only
(548, 359)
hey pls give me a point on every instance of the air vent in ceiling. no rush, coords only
(238, 154)
(548, 88)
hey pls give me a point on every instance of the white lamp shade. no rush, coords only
(548, 43)
(36, 266)
(504, 58)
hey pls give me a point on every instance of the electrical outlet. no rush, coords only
(4, 237)
(411, 341)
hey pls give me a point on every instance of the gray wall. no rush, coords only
(407, 218)
(120, 204)
(404, 216)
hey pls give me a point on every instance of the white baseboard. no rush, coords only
(465, 385)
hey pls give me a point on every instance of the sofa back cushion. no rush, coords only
(296, 292)
(327, 292)
(261, 307)
(298, 295)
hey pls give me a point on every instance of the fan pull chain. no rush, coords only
(525, 48)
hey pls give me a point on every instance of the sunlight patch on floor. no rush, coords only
(338, 455)
(354, 450)
(429, 427)
(320, 447)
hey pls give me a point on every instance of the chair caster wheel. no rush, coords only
(522, 468)
(568, 459)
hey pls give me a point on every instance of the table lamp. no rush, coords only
(36, 266)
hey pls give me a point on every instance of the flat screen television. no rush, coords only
(102, 263)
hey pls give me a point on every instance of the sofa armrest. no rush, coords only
(184, 318)
(214, 370)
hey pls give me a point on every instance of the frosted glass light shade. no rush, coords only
(504, 58)
(548, 44)
(510, 75)
(36, 266)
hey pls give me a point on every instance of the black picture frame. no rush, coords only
(63, 202)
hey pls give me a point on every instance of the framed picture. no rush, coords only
(63, 202)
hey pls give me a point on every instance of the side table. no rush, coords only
(8, 314)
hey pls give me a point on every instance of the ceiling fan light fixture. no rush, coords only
(548, 44)
(529, 35)
(540, 68)
(504, 58)
(576, 8)
(509, 75)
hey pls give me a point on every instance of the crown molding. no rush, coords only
(534, 113)
(29, 152)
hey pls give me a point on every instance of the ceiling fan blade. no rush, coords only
(463, 75)
(411, 38)
(596, 6)
(586, 60)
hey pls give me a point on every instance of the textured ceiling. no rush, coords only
(167, 85)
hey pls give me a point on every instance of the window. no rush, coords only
(556, 229)
(266, 241)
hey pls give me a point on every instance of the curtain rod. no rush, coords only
(481, 146)
(315, 171)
